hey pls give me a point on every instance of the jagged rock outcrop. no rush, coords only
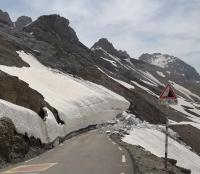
(63, 50)
(5, 19)
(8, 55)
(22, 21)
(108, 46)
(52, 27)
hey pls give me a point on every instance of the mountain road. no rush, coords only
(89, 153)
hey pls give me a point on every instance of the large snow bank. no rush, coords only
(53, 130)
(79, 103)
(152, 138)
(25, 120)
(28, 122)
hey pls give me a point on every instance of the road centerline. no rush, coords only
(123, 159)
(119, 148)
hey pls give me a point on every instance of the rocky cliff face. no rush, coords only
(5, 19)
(52, 27)
(22, 21)
(12, 145)
(108, 46)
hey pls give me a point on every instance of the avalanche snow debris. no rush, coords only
(79, 103)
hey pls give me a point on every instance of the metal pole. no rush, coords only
(166, 140)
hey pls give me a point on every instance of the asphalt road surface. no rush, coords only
(89, 153)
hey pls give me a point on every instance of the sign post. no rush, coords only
(167, 97)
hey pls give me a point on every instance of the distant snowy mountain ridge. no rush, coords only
(171, 64)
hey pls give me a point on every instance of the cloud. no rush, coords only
(137, 26)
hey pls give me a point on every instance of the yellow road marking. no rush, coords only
(30, 168)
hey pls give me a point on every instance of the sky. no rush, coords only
(137, 26)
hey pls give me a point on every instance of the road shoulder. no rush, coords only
(145, 162)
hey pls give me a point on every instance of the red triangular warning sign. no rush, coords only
(168, 93)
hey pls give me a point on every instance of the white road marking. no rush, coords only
(122, 173)
(50, 150)
(119, 148)
(113, 142)
(62, 144)
(31, 159)
(123, 158)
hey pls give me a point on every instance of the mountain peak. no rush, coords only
(171, 63)
(158, 59)
(106, 45)
(22, 21)
(52, 27)
(5, 19)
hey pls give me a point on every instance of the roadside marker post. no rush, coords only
(167, 97)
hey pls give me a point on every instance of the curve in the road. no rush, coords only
(88, 153)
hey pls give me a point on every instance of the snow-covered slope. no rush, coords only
(25, 120)
(171, 64)
(152, 138)
(79, 103)
(159, 60)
